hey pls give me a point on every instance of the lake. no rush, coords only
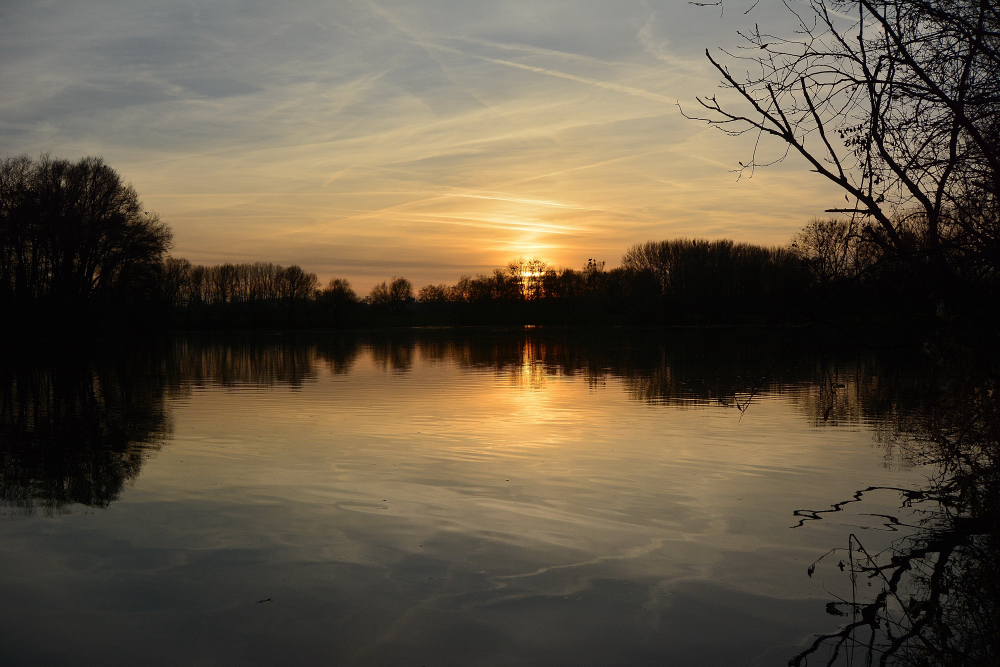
(442, 497)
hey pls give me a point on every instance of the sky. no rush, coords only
(426, 139)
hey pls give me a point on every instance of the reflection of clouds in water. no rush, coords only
(395, 496)
(569, 578)
(634, 552)
(679, 370)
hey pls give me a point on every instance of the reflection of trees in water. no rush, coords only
(392, 351)
(878, 389)
(77, 427)
(257, 360)
(933, 598)
(720, 368)
(76, 431)
(523, 359)
(677, 367)
(338, 352)
(228, 362)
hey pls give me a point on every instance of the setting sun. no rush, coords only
(500, 332)
(440, 142)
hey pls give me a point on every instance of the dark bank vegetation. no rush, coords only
(76, 246)
(830, 272)
(74, 239)
(897, 103)
(669, 282)
(261, 294)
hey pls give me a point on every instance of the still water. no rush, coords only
(436, 498)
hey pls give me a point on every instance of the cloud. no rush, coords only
(435, 135)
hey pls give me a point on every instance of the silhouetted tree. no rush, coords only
(176, 282)
(294, 283)
(896, 102)
(700, 269)
(236, 283)
(338, 301)
(74, 232)
(833, 250)
(593, 275)
(526, 277)
(339, 291)
(433, 293)
(393, 296)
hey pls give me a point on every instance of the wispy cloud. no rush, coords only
(579, 79)
(435, 135)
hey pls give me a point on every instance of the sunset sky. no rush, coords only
(428, 139)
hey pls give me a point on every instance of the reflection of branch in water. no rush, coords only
(914, 577)
(814, 515)
(766, 377)
(932, 597)
(892, 522)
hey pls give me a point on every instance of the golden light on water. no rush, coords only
(530, 373)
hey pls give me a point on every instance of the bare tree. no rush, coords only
(74, 232)
(697, 268)
(400, 290)
(528, 275)
(895, 101)
(176, 282)
(295, 284)
(834, 250)
(392, 296)
(339, 290)
(433, 293)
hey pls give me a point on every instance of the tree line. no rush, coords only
(658, 282)
(896, 102)
(185, 285)
(75, 241)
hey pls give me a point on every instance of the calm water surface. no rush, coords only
(437, 498)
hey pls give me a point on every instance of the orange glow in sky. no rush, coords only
(373, 139)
